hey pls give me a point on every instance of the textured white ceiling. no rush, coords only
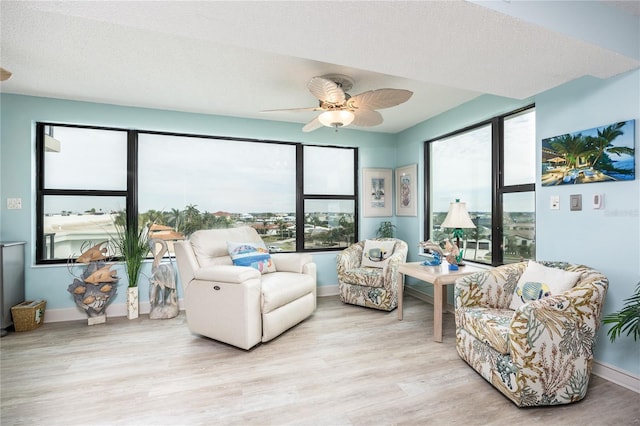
(238, 58)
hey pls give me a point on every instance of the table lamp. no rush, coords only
(458, 218)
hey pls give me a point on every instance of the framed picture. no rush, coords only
(600, 154)
(377, 192)
(406, 190)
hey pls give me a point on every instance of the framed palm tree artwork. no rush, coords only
(600, 154)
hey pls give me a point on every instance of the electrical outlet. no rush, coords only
(14, 203)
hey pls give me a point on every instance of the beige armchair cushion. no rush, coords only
(369, 277)
(279, 290)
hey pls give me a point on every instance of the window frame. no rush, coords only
(304, 197)
(130, 194)
(498, 188)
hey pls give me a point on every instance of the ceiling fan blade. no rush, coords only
(293, 109)
(4, 74)
(366, 118)
(381, 98)
(326, 90)
(312, 125)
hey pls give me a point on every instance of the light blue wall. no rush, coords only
(608, 239)
(17, 165)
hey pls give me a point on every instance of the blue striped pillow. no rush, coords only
(251, 254)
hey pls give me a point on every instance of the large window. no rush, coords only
(330, 193)
(91, 178)
(490, 167)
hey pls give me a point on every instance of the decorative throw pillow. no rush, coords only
(251, 254)
(539, 281)
(376, 253)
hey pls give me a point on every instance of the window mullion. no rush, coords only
(132, 179)
(497, 164)
(299, 197)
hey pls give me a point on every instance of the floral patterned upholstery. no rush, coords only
(539, 354)
(371, 287)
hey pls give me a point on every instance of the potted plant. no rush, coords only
(133, 247)
(627, 319)
(385, 230)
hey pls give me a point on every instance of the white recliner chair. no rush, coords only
(241, 305)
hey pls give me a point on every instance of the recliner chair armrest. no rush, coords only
(557, 329)
(576, 308)
(291, 262)
(395, 260)
(186, 261)
(349, 258)
(227, 274)
(390, 271)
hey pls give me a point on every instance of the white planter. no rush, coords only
(132, 302)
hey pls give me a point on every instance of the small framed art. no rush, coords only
(377, 192)
(406, 190)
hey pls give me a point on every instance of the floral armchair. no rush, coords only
(365, 283)
(540, 353)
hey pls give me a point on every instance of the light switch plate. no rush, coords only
(14, 203)
(575, 202)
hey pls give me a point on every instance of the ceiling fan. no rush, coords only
(4, 74)
(341, 109)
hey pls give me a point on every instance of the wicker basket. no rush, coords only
(28, 315)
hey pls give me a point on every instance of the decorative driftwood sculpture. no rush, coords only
(96, 286)
(163, 297)
(452, 252)
(454, 256)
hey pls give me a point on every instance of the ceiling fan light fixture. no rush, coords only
(336, 118)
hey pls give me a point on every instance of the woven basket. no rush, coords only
(28, 315)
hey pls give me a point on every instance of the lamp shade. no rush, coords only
(457, 217)
(336, 118)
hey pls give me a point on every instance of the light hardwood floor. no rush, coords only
(345, 365)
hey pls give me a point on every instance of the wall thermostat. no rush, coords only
(598, 201)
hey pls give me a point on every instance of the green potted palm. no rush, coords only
(627, 319)
(132, 245)
(385, 230)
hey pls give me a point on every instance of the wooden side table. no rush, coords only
(439, 276)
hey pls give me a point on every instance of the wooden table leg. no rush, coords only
(438, 302)
(400, 294)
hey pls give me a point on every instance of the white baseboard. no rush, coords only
(617, 376)
(328, 290)
(120, 309)
(113, 310)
